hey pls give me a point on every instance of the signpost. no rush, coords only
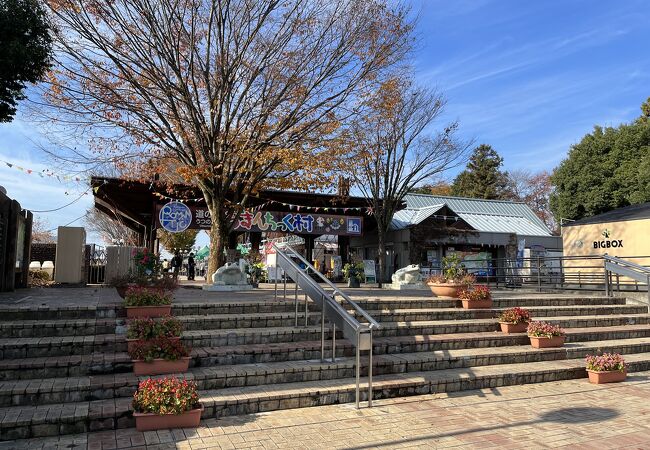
(177, 217)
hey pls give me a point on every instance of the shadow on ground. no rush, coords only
(563, 415)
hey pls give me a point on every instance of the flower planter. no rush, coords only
(150, 421)
(615, 376)
(445, 289)
(353, 283)
(546, 342)
(508, 328)
(131, 343)
(160, 366)
(477, 304)
(148, 311)
(121, 290)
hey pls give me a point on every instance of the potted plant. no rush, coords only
(606, 368)
(142, 329)
(147, 302)
(166, 403)
(545, 335)
(452, 279)
(353, 272)
(158, 356)
(123, 283)
(256, 273)
(146, 272)
(514, 320)
(477, 297)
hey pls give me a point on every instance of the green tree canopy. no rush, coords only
(181, 242)
(608, 169)
(483, 177)
(25, 50)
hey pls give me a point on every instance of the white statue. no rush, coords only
(229, 278)
(408, 277)
(230, 274)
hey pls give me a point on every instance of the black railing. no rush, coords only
(96, 266)
(559, 272)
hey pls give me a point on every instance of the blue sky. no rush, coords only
(528, 77)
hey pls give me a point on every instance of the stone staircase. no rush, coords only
(65, 370)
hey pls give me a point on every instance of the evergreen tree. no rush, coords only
(482, 177)
(25, 50)
(608, 169)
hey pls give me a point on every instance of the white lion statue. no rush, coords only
(408, 275)
(229, 275)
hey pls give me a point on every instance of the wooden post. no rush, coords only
(27, 250)
(12, 240)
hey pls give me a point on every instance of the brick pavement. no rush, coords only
(568, 414)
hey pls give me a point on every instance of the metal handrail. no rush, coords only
(630, 264)
(627, 269)
(368, 317)
(360, 334)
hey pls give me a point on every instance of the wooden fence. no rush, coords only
(15, 243)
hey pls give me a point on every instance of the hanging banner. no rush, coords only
(174, 218)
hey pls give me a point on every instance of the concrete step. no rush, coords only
(35, 347)
(45, 312)
(116, 363)
(244, 336)
(110, 311)
(287, 319)
(532, 300)
(57, 327)
(539, 312)
(19, 422)
(89, 327)
(247, 400)
(88, 388)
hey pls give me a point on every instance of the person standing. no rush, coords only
(177, 261)
(191, 265)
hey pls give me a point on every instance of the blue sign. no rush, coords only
(354, 225)
(175, 217)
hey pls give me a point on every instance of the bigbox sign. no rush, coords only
(177, 217)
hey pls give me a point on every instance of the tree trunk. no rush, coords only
(381, 253)
(218, 239)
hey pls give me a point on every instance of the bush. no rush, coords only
(149, 328)
(41, 275)
(146, 296)
(515, 315)
(544, 329)
(353, 270)
(607, 362)
(146, 263)
(453, 271)
(165, 282)
(476, 293)
(159, 348)
(165, 396)
(39, 278)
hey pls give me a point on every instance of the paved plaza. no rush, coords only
(568, 414)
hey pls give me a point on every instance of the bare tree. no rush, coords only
(534, 189)
(233, 95)
(110, 228)
(41, 232)
(397, 150)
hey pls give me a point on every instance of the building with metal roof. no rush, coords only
(480, 231)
